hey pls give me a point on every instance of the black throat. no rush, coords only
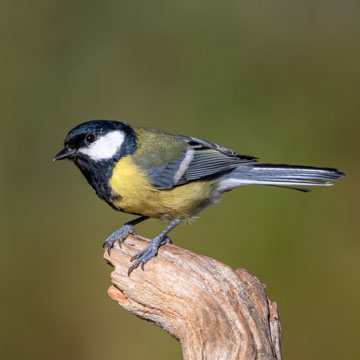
(98, 174)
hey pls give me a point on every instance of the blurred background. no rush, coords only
(278, 80)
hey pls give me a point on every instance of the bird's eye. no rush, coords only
(90, 138)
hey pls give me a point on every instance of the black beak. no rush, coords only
(63, 154)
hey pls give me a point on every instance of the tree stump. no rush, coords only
(215, 312)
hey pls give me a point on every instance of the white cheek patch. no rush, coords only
(105, 147)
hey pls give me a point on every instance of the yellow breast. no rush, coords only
(136, 195)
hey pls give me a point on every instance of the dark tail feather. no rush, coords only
(306, 190)
(280, 175)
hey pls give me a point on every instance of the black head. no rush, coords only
(95, 146)
(98, 140)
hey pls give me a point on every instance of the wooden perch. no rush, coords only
(215, 312)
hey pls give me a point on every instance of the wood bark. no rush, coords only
(215, 312)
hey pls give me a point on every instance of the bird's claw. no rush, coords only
(119, 236)
(166, 240)
(143, 256)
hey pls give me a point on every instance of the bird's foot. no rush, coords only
(119, 236)
(143, 256)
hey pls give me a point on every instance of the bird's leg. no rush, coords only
(143, 256)
(121, 234)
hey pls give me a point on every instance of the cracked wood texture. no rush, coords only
(215, 312)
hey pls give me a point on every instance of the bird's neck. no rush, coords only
(98, 174)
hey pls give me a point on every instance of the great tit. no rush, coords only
(153, 174)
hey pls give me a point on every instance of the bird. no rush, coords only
(154, 174)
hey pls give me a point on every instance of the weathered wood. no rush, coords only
(214, 311)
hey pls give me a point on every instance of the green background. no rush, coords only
(275, 79)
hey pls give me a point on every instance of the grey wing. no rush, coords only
(201, 159)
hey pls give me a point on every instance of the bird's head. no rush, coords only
(96, 141)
